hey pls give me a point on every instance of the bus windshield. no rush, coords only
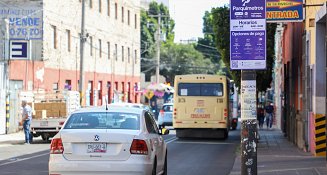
(200, 89)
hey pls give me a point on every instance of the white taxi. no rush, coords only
(109, 140)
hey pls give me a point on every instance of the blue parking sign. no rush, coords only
(247, 34)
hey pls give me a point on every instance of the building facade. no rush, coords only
(315, 81)
(111, 50)
(301, 79)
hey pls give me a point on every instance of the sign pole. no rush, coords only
(248, 123)
(248, 53)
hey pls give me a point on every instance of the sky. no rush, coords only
(188, 15)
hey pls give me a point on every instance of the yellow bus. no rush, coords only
(201, 106)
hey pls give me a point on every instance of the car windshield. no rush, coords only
(168, 108)
(104, 120)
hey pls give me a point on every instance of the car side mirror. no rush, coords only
(164, 131)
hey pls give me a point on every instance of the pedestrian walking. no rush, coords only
(260, 115)
(26, 121)
(269, 115)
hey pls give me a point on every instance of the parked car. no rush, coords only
(165, 117)
(109, 140)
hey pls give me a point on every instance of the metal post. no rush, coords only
(159, 16)
(158, 49)
(326, 68)
(6, 61)
(248, 124)
(82, 41)
(6, 71)
(7, 115)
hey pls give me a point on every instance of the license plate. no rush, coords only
(199, 110)
(96, 148)
(44, 123)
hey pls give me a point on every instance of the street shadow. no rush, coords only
(12, 159)
(38, 141)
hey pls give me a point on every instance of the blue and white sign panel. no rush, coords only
(25, 23)
(19, 50)
(248, 34)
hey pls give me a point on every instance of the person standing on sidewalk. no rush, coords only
(26, 121)
(269, 115)
(260, 115)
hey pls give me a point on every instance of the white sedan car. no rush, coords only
(109, 140)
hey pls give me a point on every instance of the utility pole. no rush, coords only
(5, 79)
(82, 42)
(159, 16)
(326, 59)
(158, 48)
(6, 60)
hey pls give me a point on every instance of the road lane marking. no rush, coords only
(19, 160)
(291, 156)
(171, 140)
(288, 169)
(281, 170)
(206, 143)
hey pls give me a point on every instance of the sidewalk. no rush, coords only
(12, 146)
(11, 138)
(277, 156)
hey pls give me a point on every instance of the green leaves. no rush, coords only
(175, 59)
(149, 27)
(178, 59)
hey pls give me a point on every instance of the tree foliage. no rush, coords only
(149, 26)
(221, 27)
(178, 59)
(207, 45)
(175, 59)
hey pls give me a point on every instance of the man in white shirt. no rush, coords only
(26, 121)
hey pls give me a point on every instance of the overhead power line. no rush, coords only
(210, 47)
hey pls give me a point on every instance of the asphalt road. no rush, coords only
(185, 156)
